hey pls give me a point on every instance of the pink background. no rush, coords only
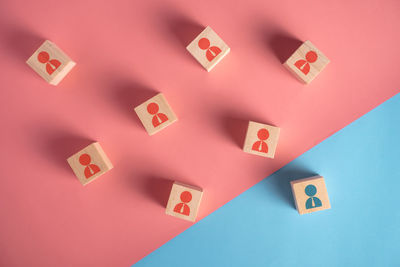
(126, 51)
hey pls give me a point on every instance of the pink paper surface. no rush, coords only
(126, 51)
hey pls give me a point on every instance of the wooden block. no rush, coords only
(306, 62)
(310, 194)
(208, 48)
(184, 201)
(90, 163)
(51, 63)
(261, 139)
(155, 114)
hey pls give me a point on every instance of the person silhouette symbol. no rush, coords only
(158, 118)
(304, 65)
(212, 51)
(312, 202)
(51, 64)
(182, 207)
(90, 169)
(260, 145)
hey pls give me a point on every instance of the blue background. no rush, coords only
(261, 227)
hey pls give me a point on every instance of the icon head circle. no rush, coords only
(310, 190)
(263, 134)
(43, 57)
(186, 196)
(204, 43)
(311, 56)
(85, 159)
(152, 108)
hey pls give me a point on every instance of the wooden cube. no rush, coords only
(208, 48)
(155, 114)
(90, 163)
(306, 62)
(261, 139)
(184, 201)
(310, 194)
(51, 63)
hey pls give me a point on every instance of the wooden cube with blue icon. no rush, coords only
(310, 194)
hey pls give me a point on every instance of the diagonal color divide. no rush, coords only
(125, 54)
(261, 227)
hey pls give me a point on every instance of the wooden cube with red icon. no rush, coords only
(208, 48)
(90, 163)
(307, 62)
(51, 63)
(261, 139)
(156, 114)
(184, 201)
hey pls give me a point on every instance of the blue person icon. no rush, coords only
(312, 202)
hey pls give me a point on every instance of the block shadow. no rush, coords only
(281, 43)
(279, 182)
(235, 128)
(283, 46)
(21, 42)
(179, 26)
(157, 188)
(126, 94)
(57, 146)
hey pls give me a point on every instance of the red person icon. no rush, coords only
(182, 207)
(158, 118)
(212, 51)
(304, 65)
(51, 64)
(91, 169)
(260, 145)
